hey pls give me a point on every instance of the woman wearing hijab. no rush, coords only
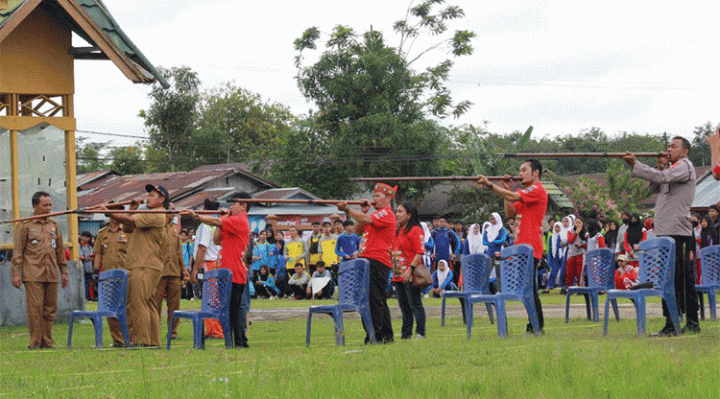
(634, 235)
(611, 234)
(265, 283)
(556, 255)
(474, 242)
(567, 224)
(577, 245)
(495, 235)
(442, 279)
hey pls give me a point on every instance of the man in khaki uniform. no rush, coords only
(37, 254)
(173, 272)
(111, 253)
(145, 265)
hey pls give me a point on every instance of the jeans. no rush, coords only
(411, 306)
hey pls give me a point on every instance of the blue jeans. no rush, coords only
(411, 306)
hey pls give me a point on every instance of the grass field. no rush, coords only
(571, 360)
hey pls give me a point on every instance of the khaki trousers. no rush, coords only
(41, 309)
(143, 319)
(115, 331)
(171, 286)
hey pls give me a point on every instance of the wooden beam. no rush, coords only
(26, 122)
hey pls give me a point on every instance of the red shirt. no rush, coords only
(409, 245)
(716, 169)
(532, 207)
(620, 279)
(379, 236)
(235, 239)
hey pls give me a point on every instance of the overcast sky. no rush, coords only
(562, 66)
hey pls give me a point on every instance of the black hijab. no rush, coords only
(634, 230)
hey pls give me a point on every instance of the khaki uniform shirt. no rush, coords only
(676, 191)
(146, 242)
(111, 246)
(173, 261)
(38, 251)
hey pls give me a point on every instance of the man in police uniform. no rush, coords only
(145, 265)
(111, 253)
(173, 271)
(37, 254)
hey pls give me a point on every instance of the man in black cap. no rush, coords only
(144, 265)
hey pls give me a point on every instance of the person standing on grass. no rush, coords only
(378, 230)
(206, 258)
(111, 253)
(530, 203)
(577, 246)
(37, 256)
(673, 179)
(408, 249)
(232, 233)
(144, 264)
(296, 250)
(174, 271)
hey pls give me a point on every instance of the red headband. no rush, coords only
(385, 189)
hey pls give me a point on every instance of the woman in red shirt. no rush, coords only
(407, 252)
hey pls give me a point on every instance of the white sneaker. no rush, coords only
(418, 336)
(272, 297)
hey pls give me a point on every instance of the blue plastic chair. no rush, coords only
(112, 301)
(657, 265)
(475, 271)
(516, 283)
(710, 263)
(215, 305)
(601, 272)
(353, 296)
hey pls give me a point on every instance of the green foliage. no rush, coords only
(626, 191)
(236, 124)
(172, 113)
(700, 152)
(128, 160)
(89, 156)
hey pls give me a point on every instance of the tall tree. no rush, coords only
(700, 153)
(172, 114)
(236, 124)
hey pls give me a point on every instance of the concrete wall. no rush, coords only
(12, 300)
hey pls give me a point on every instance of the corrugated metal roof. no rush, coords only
(196, 200)
(86, 181)
(179, 185)
(285, 193)
(707, 191)
(99, 13)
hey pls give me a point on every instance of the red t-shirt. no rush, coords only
(379, 236)
(716, 169)
(235, 239)
(409, 245)
(620, 279)
(532, 207)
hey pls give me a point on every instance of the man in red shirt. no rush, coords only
(530, 203)
(234, 236)
(378, 233)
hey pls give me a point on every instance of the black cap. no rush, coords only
(162, 191)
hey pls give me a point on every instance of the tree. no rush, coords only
(236, 124)
(172, 114)
(700, 153)
(372, 106)
(89, 157)
(128, 160)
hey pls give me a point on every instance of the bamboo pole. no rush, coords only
(428, 178)
(300, 201)
(583, 155)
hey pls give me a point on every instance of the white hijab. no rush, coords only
(571, 225)
(442, 275)
(494, 229)
(554, 237)
(475, 244)
(426, 232)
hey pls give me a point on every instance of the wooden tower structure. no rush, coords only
(37, 123)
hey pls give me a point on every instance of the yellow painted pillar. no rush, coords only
(14, 174)
(71, 185)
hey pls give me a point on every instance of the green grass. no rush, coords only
(571, 360)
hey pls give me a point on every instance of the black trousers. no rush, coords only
(379, 310)
(685, 293)
(536, 297)
(236, 325)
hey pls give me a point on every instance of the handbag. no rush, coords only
(421, 277)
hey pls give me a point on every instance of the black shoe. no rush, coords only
(691, 328)
(667, 331)
(117, 345)
(242, 345)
